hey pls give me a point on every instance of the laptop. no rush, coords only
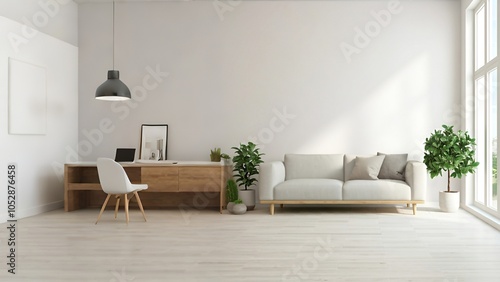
(125, 155)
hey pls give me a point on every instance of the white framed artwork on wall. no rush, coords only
(27, 98)
(154, 141)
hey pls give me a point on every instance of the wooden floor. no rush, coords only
(296, 244)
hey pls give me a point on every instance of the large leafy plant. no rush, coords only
(246, 162)
(450, 151)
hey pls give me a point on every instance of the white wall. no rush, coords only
(39, 157)
(231, 72)
(57, 18)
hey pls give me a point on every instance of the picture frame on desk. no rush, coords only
(154, 142)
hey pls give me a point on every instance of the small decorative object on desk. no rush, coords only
(154, 139)
(215, 155)
(226, 158)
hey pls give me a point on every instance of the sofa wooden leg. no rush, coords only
(271, 209)
(408, 205)
(282, 205)
(414, 209)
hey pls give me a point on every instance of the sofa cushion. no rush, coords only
(349, 164)
(366, 167)
(309, 189)
(393, 167)
(299, 166)
(381, 190)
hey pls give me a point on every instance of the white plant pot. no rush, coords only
(239, 209)
(449, 201)
(248, 198)
(230, 207)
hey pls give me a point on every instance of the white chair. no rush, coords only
(114, 181)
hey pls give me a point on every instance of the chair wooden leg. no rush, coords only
(117, 205)
(103, 207)
(271, 209)
(408, 205)
(140, 205)
(414, 209)
(282, 205)
(126, 208)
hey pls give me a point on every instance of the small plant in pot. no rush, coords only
(226, 158)
(215, 155)
(451, 152)
(246, 162)
(239, 207)
(231, 194)
(234, 204)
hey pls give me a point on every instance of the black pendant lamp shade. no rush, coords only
(113, 89)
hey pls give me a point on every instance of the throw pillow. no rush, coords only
(393, 167)
(366, 168)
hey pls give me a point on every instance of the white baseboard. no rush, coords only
(488, 218)
(33, 211)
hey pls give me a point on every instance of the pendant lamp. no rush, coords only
(113, 89)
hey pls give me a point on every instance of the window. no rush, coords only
(480, 133)
(486, 103)
(480, 32)
(492, 29)
(492, 140)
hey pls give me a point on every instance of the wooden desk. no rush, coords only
(185, 184)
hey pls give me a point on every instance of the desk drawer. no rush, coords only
(199, 179)
(161, 179)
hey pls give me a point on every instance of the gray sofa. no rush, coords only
(343, 179)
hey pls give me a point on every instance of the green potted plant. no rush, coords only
(215, 155)
(246, 162)
(451, 152)
(231, 194)
(226, 158)
(234, 204)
